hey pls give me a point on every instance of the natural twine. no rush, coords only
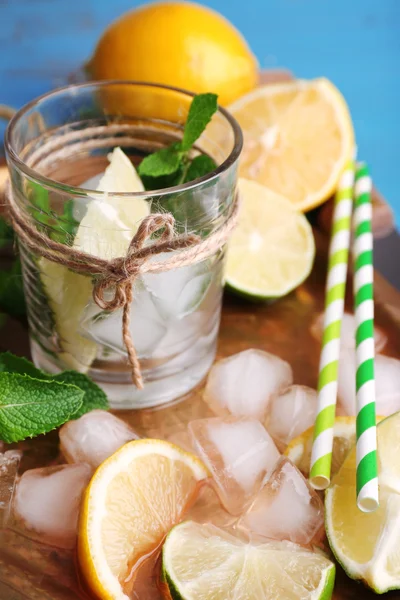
(119, 274)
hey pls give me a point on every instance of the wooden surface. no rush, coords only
(355, 43)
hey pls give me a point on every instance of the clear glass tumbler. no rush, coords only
(57, 147)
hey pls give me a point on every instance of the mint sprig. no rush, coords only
(24, 423)
(29, 407)
(174, 162)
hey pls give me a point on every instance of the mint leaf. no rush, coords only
(65, 226)
(163, 162)
(171, 166)
(201, 165)
(12, 298)
(201, 110)
(165, 181)
(30, 407)
(94, 397)
(9, 363)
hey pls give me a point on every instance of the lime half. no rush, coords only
(272, 249)
(367, 544)
(203, 562)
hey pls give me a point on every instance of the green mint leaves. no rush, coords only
(172, 165)
(33, 402)
(200, 112)
(200, 166)
(163, 162)
(29, 407)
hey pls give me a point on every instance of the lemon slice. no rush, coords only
(133, 500)
(298, 136)
(105, 231)
(272, 249)
(203, 562)
(367, 544)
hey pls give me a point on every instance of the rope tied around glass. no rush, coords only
(114, 279)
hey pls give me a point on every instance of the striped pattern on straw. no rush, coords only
(321, 456)
(367, 470)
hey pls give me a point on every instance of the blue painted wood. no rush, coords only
(356, 43)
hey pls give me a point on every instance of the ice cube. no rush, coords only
(207, 508)
(239, 454)
(387, 383)
(245, 383)
(47, 502)
(94, 437)
(286, 508)
(9, 464)
(291, 413)
(147, 326)
(178, 292)
(347, 332)
(181, 335)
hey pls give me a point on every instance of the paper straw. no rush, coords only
(321, 456)
(367, 467)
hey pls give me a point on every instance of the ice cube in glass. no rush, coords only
(147, 327)
(244, 384)
(291, 413)
(286, 508)
(239, 453)
(47, 502)
(94, 437)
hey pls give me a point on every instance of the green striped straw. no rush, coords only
(321, 456)
(367, 463)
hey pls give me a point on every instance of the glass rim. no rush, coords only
(47, 182)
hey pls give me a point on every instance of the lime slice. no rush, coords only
(203, 562)
(105, 231)
(272, 249)
(367, 544)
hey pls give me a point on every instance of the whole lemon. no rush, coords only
(181, 44)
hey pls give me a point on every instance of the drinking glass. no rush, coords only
(57, 148)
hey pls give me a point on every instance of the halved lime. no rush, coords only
(203, 562)
(272, 249)
(367, 544)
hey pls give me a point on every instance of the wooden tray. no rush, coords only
(282, 328)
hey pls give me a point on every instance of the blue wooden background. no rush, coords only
(356, 43)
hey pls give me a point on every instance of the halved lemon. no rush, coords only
(367, 544)
(298, 136)
(203, 562)
(344, 437)
(272, 249)
(133, 500)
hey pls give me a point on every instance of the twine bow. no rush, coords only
(121, 273)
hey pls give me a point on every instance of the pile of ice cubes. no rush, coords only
(253, 488)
